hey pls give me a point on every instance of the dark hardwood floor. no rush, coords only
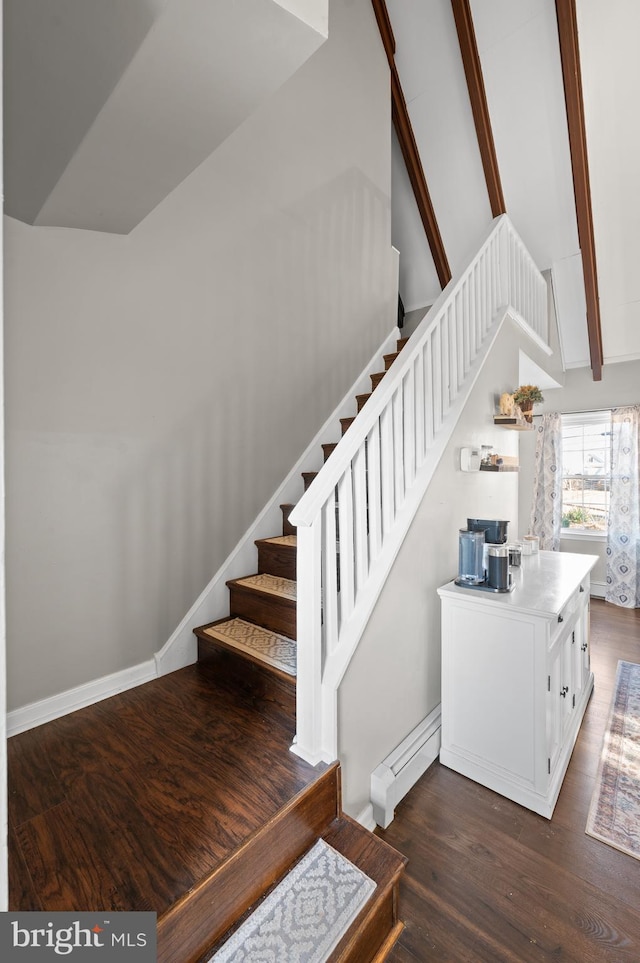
(127, 803)
(489, 881)
(117, 806)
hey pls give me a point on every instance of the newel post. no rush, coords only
(309, 711)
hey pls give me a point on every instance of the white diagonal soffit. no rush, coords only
(199, 71)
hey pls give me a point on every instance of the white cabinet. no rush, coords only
(516, 678)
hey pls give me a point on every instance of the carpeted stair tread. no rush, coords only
(389, 359)
(267, 647)
(304, 918)
(285, 541)
(284, 588)
(376, 379)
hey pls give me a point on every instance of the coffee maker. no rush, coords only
(483, 557)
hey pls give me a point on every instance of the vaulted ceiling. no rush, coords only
(521, 72)
(109, 104)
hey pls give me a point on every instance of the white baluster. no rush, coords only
(345, 533)
(374, 492)
(329, 575)
(360, 514)
(386, 473)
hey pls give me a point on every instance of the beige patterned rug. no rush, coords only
(614, 815)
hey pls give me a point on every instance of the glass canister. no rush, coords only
(471, 547)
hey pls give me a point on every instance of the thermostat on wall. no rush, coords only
(470, 459)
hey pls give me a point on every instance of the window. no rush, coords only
(586, 472)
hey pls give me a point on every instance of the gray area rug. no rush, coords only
(305, 916)
(614, 815)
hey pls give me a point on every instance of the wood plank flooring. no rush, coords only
(117, 806)
(490, 882)
(126, 804)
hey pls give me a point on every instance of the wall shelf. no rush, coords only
(515, 424)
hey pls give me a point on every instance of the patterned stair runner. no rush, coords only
(304, 918)
(270, 647)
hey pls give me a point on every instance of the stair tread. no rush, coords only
(286, 541)
(271, 584)
(270, 647)
(323, 879)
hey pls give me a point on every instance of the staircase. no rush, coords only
(255, 646)
(200, 924)
(337, 546)
(262, 624)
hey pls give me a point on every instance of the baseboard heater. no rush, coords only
(402, 768)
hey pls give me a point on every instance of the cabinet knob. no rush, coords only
(582, 588)
(584, 646)
(560, 618)
(565, 689)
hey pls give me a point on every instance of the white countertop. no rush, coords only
(543, 583)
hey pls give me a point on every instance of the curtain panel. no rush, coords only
(623, 536)
(546, 510)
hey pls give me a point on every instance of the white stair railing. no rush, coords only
(354, 516)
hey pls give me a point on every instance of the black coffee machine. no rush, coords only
(483, 561)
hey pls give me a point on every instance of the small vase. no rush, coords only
(527, 410)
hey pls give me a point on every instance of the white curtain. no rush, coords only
(546, 510)
(623, 537)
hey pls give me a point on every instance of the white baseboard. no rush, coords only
(37, 713)
(365, 818)
(213, 603)
(402, 768)
(598, 589)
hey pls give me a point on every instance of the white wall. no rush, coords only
(160, 385)
(620, 385)
(393, 681)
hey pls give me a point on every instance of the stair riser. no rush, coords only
(307, 478)
(361, 400)
(373, 928)
(328, 449)
(376, 379)
(275, 614)
(346, 424)
(259, 681)
(389, 359)
(204, 915)
(287, 527)
(277, 560)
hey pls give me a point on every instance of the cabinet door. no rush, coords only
(567, 688)
(559, 693)
(555, 716)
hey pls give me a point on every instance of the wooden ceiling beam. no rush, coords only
(409, 148)
(479, 107)
(572, 79)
